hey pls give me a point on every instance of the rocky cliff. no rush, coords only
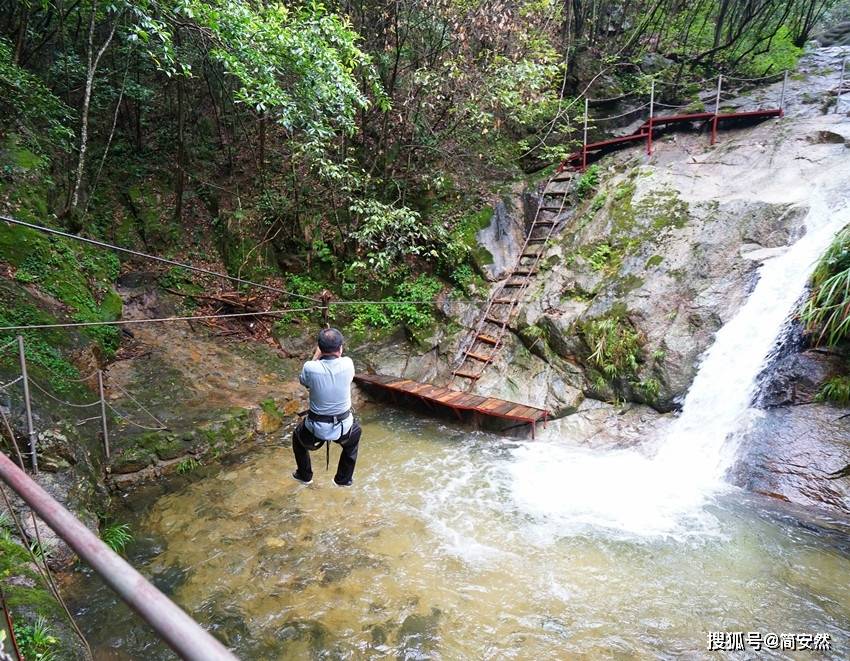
(657, 253)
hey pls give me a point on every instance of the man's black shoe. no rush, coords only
(298, 478)
(343, 484)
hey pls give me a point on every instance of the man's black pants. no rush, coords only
(303, 442)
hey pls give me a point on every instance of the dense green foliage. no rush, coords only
(346, 142)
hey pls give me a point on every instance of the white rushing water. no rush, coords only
(631, 491)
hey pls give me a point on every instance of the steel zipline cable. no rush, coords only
(124, 322)
(109, 246)
(164, 260)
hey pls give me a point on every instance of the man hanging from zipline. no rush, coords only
(328, 376)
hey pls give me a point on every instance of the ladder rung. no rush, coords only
(504, 301)
(544, 222)
(531, 254)
(468, 375)
(487, 339)
(537, 239)
(562, 177)
(493, 320)
(514, 284)
(478, 356)
(522, 272)
(555, 192)
(555, 209)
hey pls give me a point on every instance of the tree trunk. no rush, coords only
(180, 178)
(22, 34)
(92, 61)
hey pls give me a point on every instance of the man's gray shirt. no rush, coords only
(329, 381)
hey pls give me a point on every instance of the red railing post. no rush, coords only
(716, 109)
(649, 131)
(172, 624)
(584, 139)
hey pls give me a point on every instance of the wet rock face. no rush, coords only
(837, 35)
(502, 238)
(796, 378)
(799, 454)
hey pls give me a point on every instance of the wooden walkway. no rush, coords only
(460, 403)
(578, 159)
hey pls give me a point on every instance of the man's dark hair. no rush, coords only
(330, 340)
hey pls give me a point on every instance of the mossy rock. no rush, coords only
(132, 459)
(163, 444)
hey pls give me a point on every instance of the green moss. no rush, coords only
(466, 229)
(627, 284)
(654, 261)
(77, 276)
(622, 211)
(26, 591)
(666, 208)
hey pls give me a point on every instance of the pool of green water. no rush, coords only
(434, 555)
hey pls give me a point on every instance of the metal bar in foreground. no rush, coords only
(171, 623)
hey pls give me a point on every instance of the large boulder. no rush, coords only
(799, 454)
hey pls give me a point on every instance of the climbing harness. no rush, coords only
(313, 443)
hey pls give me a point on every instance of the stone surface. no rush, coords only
(796, 378)
(800, 454)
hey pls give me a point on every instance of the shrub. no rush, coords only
(588, 181)
(36, 641)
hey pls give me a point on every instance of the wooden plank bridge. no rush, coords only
(462, 404)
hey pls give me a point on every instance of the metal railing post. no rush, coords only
(103, 422)
(840, 86)
(716, 109)
(171, 623)
(782, 94)
(651, 113)
(584, 139)
(28, 405)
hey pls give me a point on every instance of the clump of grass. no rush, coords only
(116, 536)
(826, 313)
(188, 465)
(614, 346)
(835, 390)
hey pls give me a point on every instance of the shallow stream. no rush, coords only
(436, 552)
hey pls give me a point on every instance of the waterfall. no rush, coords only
(646, 493)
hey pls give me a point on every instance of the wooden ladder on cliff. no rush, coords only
(486, 340)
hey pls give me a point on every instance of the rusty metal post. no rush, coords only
(651, 108)
(782, 94)
(172, 624)
(840, 85)
(28, 405)
(103, 422)
(584, 139)
(716, 109)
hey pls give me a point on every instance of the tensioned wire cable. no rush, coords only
(164, 260)
(103, 244)
(123, 322)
